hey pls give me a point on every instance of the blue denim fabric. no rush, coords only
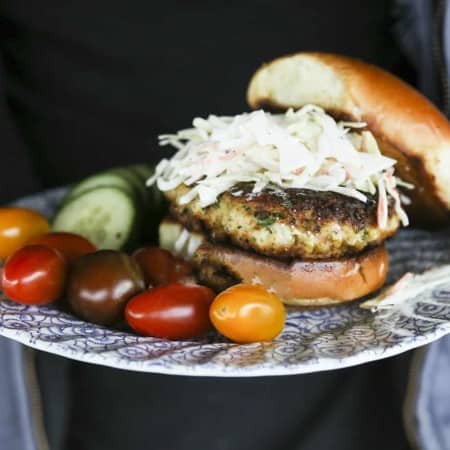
(17, 427)
(432, 398)
(417, 26)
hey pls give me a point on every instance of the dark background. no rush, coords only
(86, 85)
(90, 84)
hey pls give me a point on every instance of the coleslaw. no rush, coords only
(304, 149)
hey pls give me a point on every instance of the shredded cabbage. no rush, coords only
(306, 149)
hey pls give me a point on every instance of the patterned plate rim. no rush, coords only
(323, 364)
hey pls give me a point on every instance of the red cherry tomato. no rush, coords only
(172, 311)
(34, 275)
(17, 227)
(71, 245)
(181, 269)
(159, 266)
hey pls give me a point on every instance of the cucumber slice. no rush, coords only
(144, 171)
(107, 216)
(153, 196)
(154, 206)
(156, 209)
(100, 180)
(132, 179)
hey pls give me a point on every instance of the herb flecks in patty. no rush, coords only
(288, 223)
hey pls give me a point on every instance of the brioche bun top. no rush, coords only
(407, 126)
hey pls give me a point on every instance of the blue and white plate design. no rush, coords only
(313, 339)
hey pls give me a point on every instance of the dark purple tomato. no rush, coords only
(101, 283)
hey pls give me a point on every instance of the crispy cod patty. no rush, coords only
(287, 223)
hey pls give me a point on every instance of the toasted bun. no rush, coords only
(406, 125)
(303, 283)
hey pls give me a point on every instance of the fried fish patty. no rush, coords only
(287, 223)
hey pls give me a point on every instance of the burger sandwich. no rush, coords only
(300, 195)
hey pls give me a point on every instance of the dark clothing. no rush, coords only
(87, 85)
(92, 83)
(355, 408)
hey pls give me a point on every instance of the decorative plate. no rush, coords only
(313, 339)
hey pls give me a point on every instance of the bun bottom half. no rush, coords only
(300, 283)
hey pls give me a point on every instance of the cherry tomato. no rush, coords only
(17, 227)
(34, 275)
(71, 245)
(172, 311)
(101, 283)
(181, 269)
(160, 266)
(247, 313)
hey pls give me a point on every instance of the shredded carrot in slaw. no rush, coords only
(306, 149)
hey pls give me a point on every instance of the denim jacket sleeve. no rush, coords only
(423, 31)
(21, 424)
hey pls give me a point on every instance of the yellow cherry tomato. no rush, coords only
(246, 313)
(17, 227)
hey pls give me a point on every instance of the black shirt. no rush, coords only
(92, 83)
